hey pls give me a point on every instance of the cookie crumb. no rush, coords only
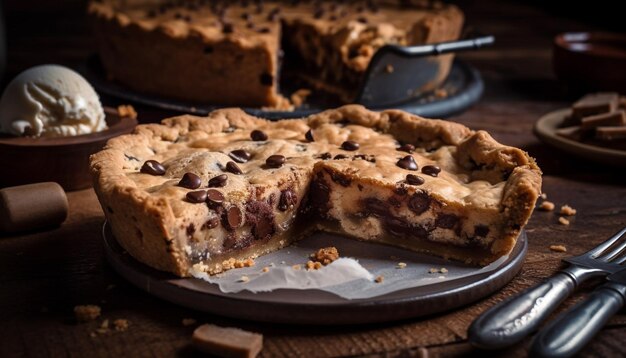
(296, 267)
(443, 270)
(325, 255)
(244, 279)
(311, 265)
(389, 68)
(563, 221)
(433, 270)
(543, 196)
(127, 111)
(546, 206)
(567, 210)
(558, 248)
(266, 269)
(441, 93)
(86, 313)
(299, 97)
(121, 324)
(234, 263)
(401, 265)
(379, 279)
(438, 270)
(188, 322)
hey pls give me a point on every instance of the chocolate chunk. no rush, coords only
(214, 197)
(340, 156)
(218, 181)
(396, 226)
(419, 202)
(211, 223)
(409, 148)
(263, 30)
(407, 163)
(610, 133)
(196, 196)
(593, 104)
(446, 221)
(260, 215)
(414, 179)
(233, 168)
(362, 20)
(309, 136)
(258, 135)
(325, 156)
(339, 178)
(319, 194)
(418, 232)
(481, 230)
(431, 170)
(191, 229)
(376, 207)
(153, 167)
(616, 119)
(233, 217)
(275, 161)
(350, 145)
(288, 200)
(228, 28)
(266, 79)
(240, 155)
(190, 181)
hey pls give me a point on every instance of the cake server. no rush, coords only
(397, 73)
(513, 319)
(572, 330)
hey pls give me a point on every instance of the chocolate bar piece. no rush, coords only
(227, 341)
(604, 120)
(32, 207)
(611, 133)
(573, 132)
(596, 103)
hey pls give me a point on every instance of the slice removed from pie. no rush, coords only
(208, 192)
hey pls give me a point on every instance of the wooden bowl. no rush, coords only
(64, 160)
(591, 61)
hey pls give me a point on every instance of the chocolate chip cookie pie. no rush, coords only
(207, 191)
(188, 49)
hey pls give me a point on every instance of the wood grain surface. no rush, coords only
(43, 275)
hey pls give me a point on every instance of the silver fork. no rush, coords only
(512, 320)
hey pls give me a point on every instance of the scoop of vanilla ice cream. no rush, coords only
(50, 101)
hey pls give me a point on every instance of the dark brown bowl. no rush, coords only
(591, 61)
(64, 160)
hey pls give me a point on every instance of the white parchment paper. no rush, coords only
(351, 277)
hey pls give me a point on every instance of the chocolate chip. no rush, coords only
(318, 13)
(234, 217)
(275, 161)
(350, 145)
(245, 16)
(309, 135)
(263, 30)
(319, 195)
(407, 163)
(153, 167)
(196, 196)
(190, 181)
(339, 178)
(481, 230)
(218, 181)
(414, 179)
(376, 207)
(340, 156)
(191, 229)
(214, 197)
(258, 135)
(266, 79)
(239, 155)
(211, 223)
(228, 28)
(233, 168)
(263, 229)
(362, 20)
(324, 156)
(409, 148)
(419, 202)
(287, 200)
(431, 170)
(446, 221)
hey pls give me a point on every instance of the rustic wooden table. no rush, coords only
(44, 275)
